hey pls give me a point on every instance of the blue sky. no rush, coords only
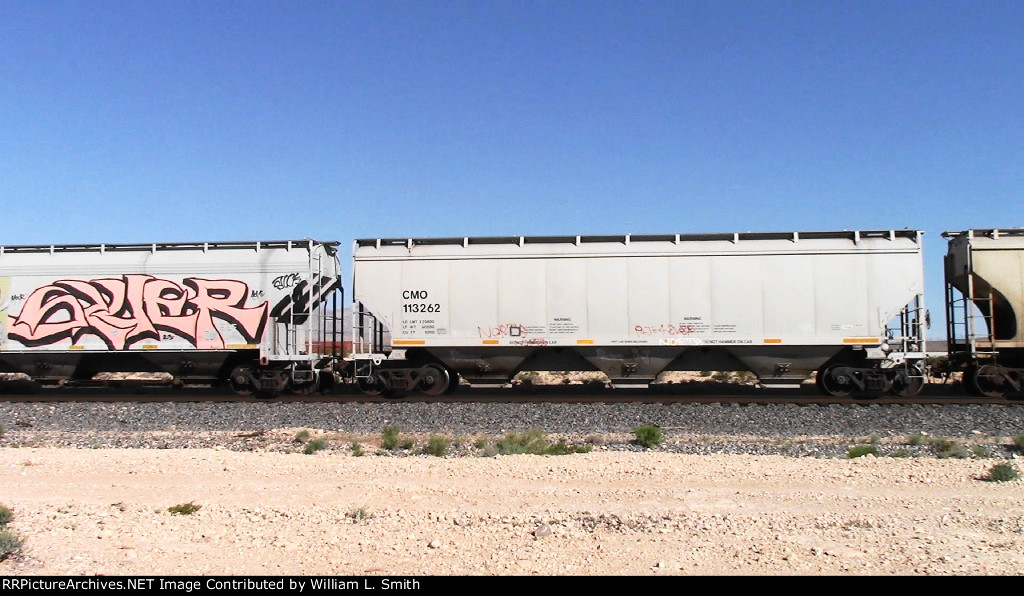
(142, 121)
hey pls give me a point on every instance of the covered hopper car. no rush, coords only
(250, 314)
(985, 308)
(847, 304)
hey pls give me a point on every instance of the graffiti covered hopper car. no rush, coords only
(249, 313)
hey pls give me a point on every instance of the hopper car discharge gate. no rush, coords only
(849, 305)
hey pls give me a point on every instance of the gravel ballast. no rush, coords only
(787, 429)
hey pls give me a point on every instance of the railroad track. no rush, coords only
(690, 393)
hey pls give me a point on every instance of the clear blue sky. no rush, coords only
(141, 121)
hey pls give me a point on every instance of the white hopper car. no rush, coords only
(246, 313)
(848, 304)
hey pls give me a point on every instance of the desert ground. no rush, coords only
(648, 513)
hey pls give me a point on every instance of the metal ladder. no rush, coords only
(968, 323)
(367, 331)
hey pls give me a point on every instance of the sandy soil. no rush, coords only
(105, 511)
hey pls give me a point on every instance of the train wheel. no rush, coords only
(240, 380)
(984, 381)
(370, 387)
(306, 388)
(435, 380)
(833, 381)
(911, 384)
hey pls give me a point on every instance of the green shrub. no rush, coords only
(1003, 472)
(648, 436)
(408, 444)
(389, 438)
(900, 453)
(314, 446)
(861, 451)
(10, 543)
(437, 445)
(302, 436)
(357, 449)
(184, 508)
(562, 448)
(533, 442)
(915, 439)
(6, 515)
(946, 449)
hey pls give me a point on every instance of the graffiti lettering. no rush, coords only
(506, 330)
(297, 306)
(286, 281)
(136, 307)
(530, 341)
(668, 329)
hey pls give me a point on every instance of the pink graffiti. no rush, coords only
(136, 307)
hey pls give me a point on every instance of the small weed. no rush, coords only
(875, 438)
(389, 438)
(1019, 442)
(314, 446)
(6, 515)
(184, 508)
(531, 442)
(562, 448)
(1003, 472)
(359, 514)
(408, 444)
(946, 449)
(648, 436)
(981, 451)
(301, 437)
(900, 453)
(915, 439)
(357, 450)
(480, 443)
(861, 451)
(437, 445)
(10, 543)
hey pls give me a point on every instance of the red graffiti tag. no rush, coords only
(136, 307)
(504, 330)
